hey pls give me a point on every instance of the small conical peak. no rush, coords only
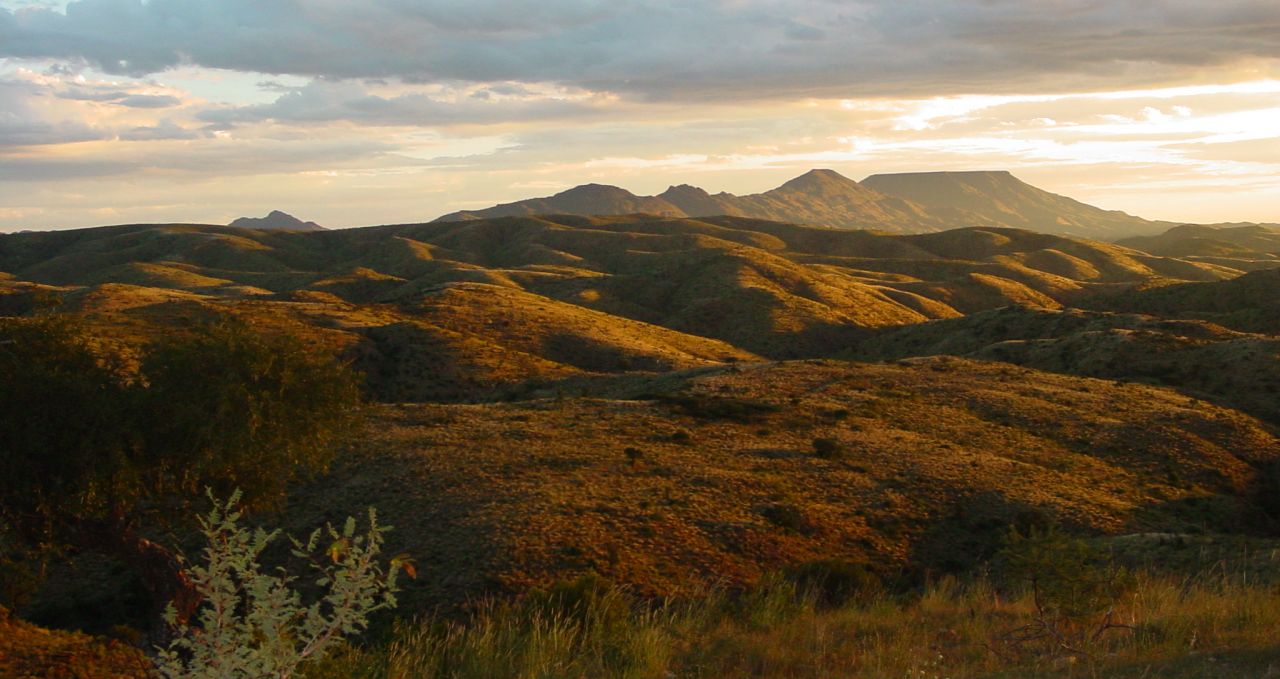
(819, 179)
(277, 220)
(596, 190)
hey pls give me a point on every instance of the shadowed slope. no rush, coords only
(1248, 248)
(1250, 303)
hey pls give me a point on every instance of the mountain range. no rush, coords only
(898, 203)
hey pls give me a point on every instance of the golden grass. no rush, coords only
(950, 630)
(31, 652)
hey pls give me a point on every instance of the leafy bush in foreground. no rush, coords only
(254, 625)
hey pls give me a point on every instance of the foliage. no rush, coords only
(93, 450)
(66, 425)
(254, 624)
(240, 409)
(828, 449)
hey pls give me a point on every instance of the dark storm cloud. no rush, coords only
(689, 50)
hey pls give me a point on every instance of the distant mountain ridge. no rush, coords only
(898, 203)
(276, 221)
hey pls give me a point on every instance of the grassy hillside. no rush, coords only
(736, 472)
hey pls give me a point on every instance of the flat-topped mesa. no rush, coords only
(998, 198)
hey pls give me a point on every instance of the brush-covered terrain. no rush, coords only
(677, 406)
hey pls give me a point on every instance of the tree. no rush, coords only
(1074, 588)
(93, 451)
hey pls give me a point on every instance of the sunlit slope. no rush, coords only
(767, 288)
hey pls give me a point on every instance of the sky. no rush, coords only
(390, 111)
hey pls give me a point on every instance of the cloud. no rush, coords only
(165, 129)
(664, 50)
(24, 125)
(168, 155)
(324, 101)
(122, 98)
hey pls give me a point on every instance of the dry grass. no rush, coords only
(30, 652)
(950, 630)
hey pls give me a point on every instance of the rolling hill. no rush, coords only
(750, 287)
(1248, 247)
(1235, 369)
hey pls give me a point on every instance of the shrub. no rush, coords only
(1074, 587)
(255, 625)
(787, 516)
(634, 455)
(827, 449)
(834, 582)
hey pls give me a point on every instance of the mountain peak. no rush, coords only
(819, 177)
(276, 221)
(593, 189)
